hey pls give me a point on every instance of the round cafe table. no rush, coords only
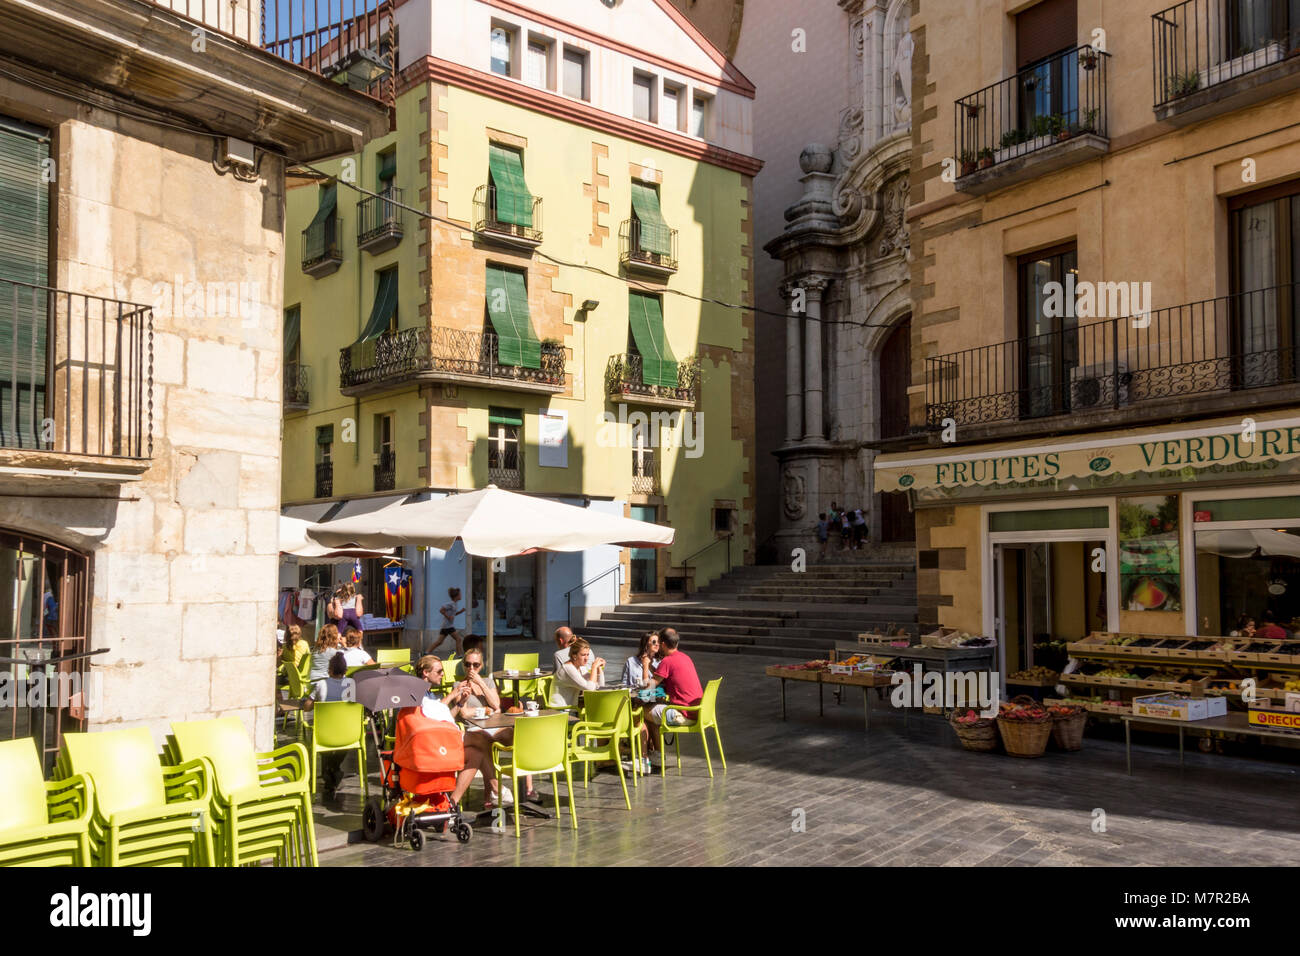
(514, 680)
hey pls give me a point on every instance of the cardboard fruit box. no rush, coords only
(1177, 707)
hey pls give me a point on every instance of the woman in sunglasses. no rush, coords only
(476, 691)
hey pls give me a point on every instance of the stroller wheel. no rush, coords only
(463, 833)
(373, 823)
(417, 840)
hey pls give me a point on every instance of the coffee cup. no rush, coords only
(530, 707)
(480, 712)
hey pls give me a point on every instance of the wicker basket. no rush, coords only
(981, 736)
(1067, 732)
(1025, 738)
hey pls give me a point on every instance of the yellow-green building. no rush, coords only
(541, 280)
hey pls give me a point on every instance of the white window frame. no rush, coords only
(516, 55)
(637, 75)
(548, 55)
(585, 54)
(706, 126)
(681, 114)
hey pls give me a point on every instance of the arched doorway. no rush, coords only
(894, 376)
(43, 617)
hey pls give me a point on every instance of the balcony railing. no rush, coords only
(297, 392)
(488, 225)
(322, 253)
(324, 479)
(350, 41)
(1201, 44)
(1040, 107)
(76, 373)
(445, 354)
(623, 379)
(1217, 347)
(632, 255)
(379, 221)
(645, 472)
(509, 478)
(386, 471)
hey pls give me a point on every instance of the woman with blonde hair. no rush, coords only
(346, 607)
(327, 644)
(294, 646)
(569, 679)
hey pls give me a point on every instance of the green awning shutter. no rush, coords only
(381, 317)
(292, 330)
(24, 257)
(514, 201)
(655, 236)
(387, 168)
(505, 416)
(658, 367)
(507, 306)
(320, 232)
(325, 435)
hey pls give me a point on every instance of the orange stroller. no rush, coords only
(419, 776)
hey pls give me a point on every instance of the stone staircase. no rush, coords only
(773, 611)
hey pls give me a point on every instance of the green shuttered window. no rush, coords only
(507, 307)
(24, 258)
(645, 314)
(505, 416)
(292, 331)
(655, 236)
(385, 307)
(321, 229)
(514, 203)
(387, 169)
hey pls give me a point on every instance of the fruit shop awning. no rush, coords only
(1108, 461)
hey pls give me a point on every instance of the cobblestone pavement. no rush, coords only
(904, 794)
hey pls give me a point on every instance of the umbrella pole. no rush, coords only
(491, 616)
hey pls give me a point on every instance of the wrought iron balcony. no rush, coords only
(444, 355)
(645, 471)
(632, 256)
(1188, 360)
(509, 478)
(492, 228)
(322, 253)
(76, 373)
(1211, 55)
(1048, 116)
(324, 479)
(386, 471)
(349, 41)
(379, 222)
(297, 392)
(623, 379)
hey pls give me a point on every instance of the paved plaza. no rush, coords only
(905, 794)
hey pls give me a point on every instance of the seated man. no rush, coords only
(676, 674)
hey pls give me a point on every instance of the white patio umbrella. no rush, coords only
(1244, 542)
(490, 523)
(295, 540)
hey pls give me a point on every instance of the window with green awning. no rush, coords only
(320, 231)
(24, 258)
(292, 333)
(507, 307)
(384, 311)
(505, 416)
(514, 203)
(387, 168)
(655, 235)
(646, 317)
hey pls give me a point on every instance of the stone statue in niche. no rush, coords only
(902, 82)
(792, 490)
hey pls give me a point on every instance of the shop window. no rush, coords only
(1265, 241)
(1150, 565)
(1049, 343)
(644, 561)
(1248, 572)
(46, 588)
(1055, 519)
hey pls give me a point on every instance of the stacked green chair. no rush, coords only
(41, 824)
(540, 746)
(261, 804)
(339, 725)
(706, 716)
(144, 814)
(606, 722)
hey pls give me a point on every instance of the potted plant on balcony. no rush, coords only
(1030, 81)
(967, 162)
(548, 375)
(1088, 121)
(972, 109)
(1182, 84)
(1088, 59)
(1059, 127)
(986, 157)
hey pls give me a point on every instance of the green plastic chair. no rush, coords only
(362, 667)
(393, 655)
(144, 814)
(339, 725)
(606, 722)
(540, 746)
(521, 662)
(706, 716)
(304, 668)
(450, 673)
(261, 804)
(298, 690)
(41, 824)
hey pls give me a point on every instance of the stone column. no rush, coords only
(813, 286)
(793, 369)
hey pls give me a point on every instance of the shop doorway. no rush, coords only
(897, 523)
(515, 601)
(644, 578)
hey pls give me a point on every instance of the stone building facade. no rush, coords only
(140, 453)
(846, 252)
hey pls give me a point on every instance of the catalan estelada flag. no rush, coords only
(398, 598)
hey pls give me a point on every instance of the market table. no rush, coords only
(864, 679)
(1232, 723)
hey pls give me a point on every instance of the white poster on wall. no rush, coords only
(553, 450)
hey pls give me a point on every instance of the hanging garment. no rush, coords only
(285, 609)
(306, 603)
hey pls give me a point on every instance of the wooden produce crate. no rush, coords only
(1090, 646)
(1194, 648)
(941, 637)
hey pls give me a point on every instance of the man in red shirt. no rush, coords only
(676, 674)
(1268, 629)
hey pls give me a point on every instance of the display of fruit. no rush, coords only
(1120, 673)
(1013, 710)
(1292, 685)
(1064, 710)
(970, 718)
(977, 642)
(1036, 674)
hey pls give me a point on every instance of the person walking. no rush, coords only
(846, 530)
(450, 611)
(859, 528)
(823, 533)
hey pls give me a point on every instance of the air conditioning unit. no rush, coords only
(1094, 386)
